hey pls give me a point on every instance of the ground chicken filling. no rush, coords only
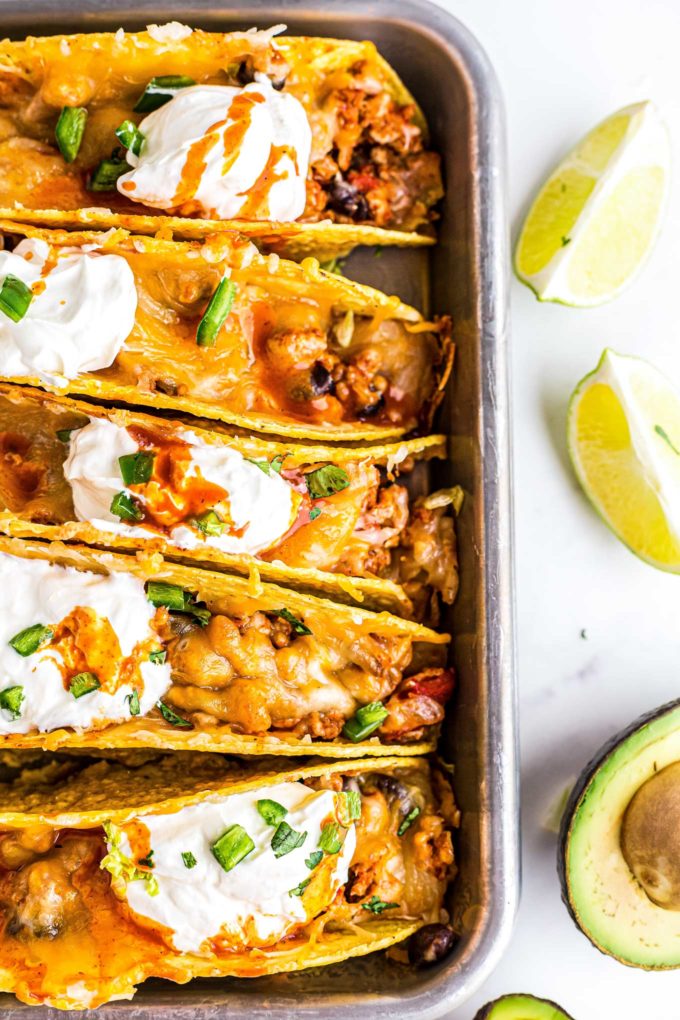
(59, 914)
(378, 170)
(259, 674)
(370, 164)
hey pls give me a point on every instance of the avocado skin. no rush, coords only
(582, 783)
(541, 1009)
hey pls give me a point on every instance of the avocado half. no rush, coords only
(619, 844)
(521, 1007)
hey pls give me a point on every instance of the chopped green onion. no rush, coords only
(172, 717)
(11, 700)
(28, 641)
(189, 859)
(158, 656)
(299, 889)
(130, 137)
(64, 434)
(106, 174)
(353, 803)
(83, 683)
(314, 858)
(216, 313)
(125, 507)
(15, 297)
(269, 466)
(271, 811)
(136, 468)
(146, 862)
(200, 612)
(160, 91)
(376, 905)
(133, 702)
(232, 846)
(176, 599)
(314, 513)
(297, 625)
(326, 480)
(329, 840)
(367, 719)
(286, 839)
(210, 523)
(408, 821)
(162, 593)
(70, 130)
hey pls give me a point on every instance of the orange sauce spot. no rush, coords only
(50, 262)
(172, 495)
(257, 200)
(139, 838)
(87, 643)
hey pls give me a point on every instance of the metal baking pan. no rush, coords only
(465, 274)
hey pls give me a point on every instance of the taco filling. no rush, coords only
(218, 330)
(238, 883)
(82, 650)
(222, 127)
(137, 480)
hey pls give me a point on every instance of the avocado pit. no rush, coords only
(650, 837)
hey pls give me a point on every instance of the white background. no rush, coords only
(563, 66)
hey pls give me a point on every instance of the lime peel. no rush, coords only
(624, 438)
(596, 218)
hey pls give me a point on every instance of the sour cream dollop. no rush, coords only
(35, 591)
(263, 506)
(82, 311)
(256, 899)
(224, 152)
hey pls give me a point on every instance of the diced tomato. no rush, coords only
(437, 684)
(364, 180)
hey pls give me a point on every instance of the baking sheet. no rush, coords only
(466, 274)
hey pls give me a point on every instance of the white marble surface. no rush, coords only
(562, 68)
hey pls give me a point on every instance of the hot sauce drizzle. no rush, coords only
(174, 496)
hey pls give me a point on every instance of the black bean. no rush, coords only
(430, 944)
(370, 410)
(246, 73)
(321, 379)
(350, 896)
(347, 200)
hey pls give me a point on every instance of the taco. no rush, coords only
(104, 650)
(323, 518)
(216, 330)
(305, 144)
(208, 869)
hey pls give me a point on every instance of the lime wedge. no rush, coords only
(624, 442)
(597, 216)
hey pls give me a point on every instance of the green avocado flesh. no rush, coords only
(638, 924)
(521, 1007)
